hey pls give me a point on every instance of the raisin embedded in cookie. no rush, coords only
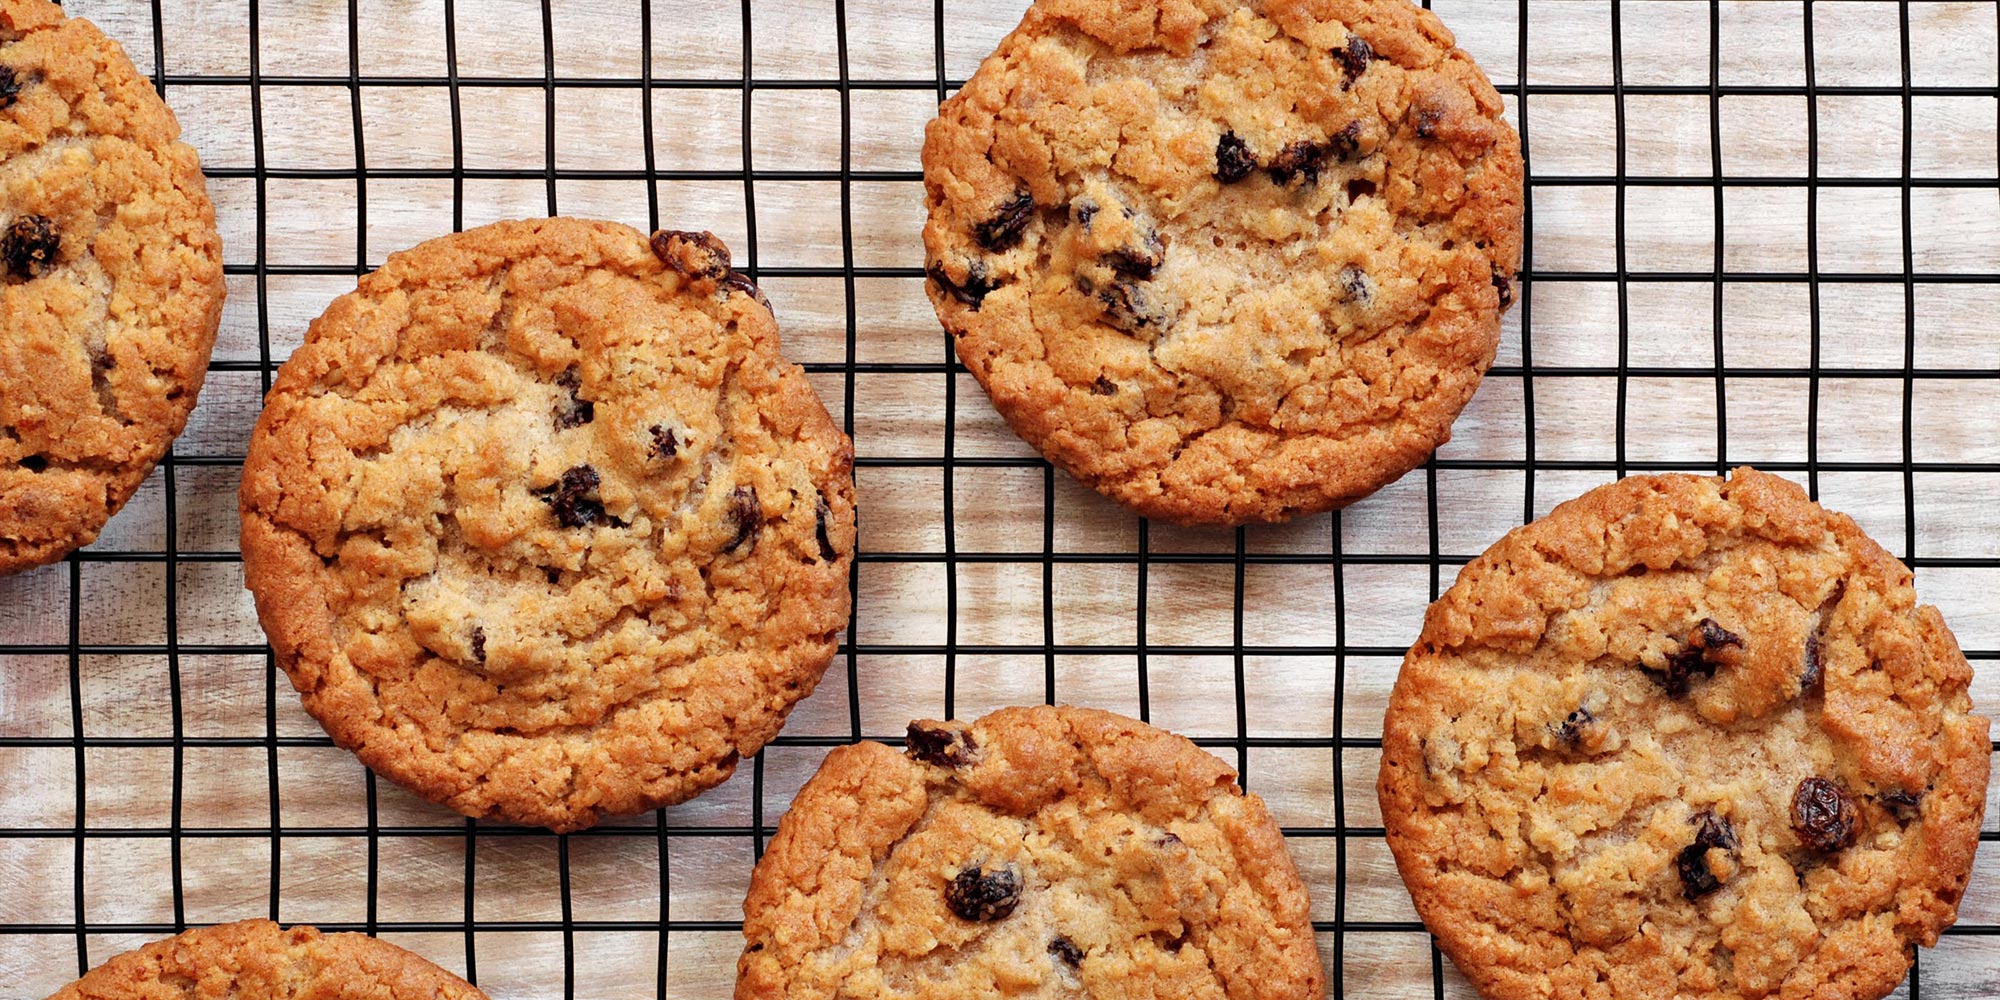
(256, 959)
(1037, 852)
(110, 281)
(543, 526)
(1684, 737)
(1226, 261)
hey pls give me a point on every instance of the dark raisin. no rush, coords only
(30, 246)
(479, 643)
(1712, 832)
(552, 574)
(573, 498)
(1823, 816)
(1139, 262)
(945, 747)
(1904, 804)
(1355, 286)
(35, 463)
(1233, 161)
(1103, 387)
(1129, 307)
(1304, 157)
(972, 292)
(1083, 210)
(1504, 285)
(10, 87)
(1427, 120)
(1701, 654)
(1354, 58)
(821, 514)
(740, 282)
(698, 255)
(984, 894)
(747, 515)
(1815, 665)
(1003, 231)
(574, 411)
(1359, 188)
(1346, 142)
(665, 445)
(1570, 730)
(1064, 950)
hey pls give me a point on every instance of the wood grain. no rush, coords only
(312, 213)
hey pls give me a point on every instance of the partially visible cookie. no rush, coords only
(543, 526)
(1037, 852)
(1226, 260)
(1684, 737)
(110, 281)
(256, 960)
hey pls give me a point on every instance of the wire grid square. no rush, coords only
(1759, 232)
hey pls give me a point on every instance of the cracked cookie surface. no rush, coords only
(1038, 852)
(256, 960)
(110, 281)
(1684, 737)
(542, 525)
(1226, 261)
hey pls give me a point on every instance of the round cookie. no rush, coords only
(1037, 852)
(542, 525)
(110, 281)
(1684, 737)
(256, 960)
(1226, 261)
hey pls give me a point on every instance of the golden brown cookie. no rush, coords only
(256, 960)
(1684, 737)
(110, 281)
(543, 526)
(1226, 261)
(1037, 852)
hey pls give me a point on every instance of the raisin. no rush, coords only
(1570, 730)
(1701, 654)
(1003, 231)
(30, 246)
(1065, 951)
(1427, 120)
(665, 445)
(10, 87)
(1304, 157)
(972, 292)
(479, 643)
(1139, 262)
(1904, 804)
(821, 513)
(984, 894)
(748, 516)
(573, 499)
(1103, 387)
(1354, 58)
(1346, 142)
(1233, 161)
(575, 411)
(1823, 815)
(1126, 306)
(1713, 832)
(1083, 210)
(1359, 188)
(1815, 666)
(1355, 286)
(740, 282)
(1504, 285)
(698, 255)
(953, 747)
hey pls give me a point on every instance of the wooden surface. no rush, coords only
(240, 743)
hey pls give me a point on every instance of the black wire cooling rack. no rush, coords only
(1640, 103)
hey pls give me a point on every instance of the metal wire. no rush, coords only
(1337, 556)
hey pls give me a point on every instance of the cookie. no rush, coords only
(110, 281)
(1037, 852)
(542, 525)
(256, 960)
(1685, 737)
(1225, 261)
